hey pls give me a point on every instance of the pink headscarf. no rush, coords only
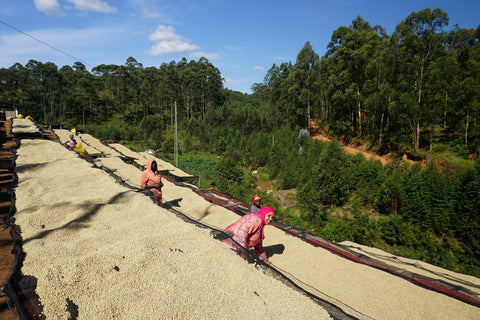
(262, 213)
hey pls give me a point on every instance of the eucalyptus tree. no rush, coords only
(44, 83)
(377, 88)
(172, 90)
(131, 89)
(201, 87)
(420, 41)
(466, 43)
(163, 89)
(13, 84)
(67, 100)
(33, 86)
(212, 85)
(108, 89)
(354, 66)
(51, 82)
(301, 85)
(188, 76)
(441, 88)
(274, 88)
(149, 90)
(86, 90)
(6, 83)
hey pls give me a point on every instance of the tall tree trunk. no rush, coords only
(417, 136)
(431, 136)
(51, 112)
(187, 101)
(44, 109)
(381, 127)
(381, 122)
(466, 128)
(419, 105)
(445, 111)
(359, 107)
(203, 105)
(308, 115)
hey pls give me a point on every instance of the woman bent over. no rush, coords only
(247, 232)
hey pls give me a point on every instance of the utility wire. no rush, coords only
(44, 43)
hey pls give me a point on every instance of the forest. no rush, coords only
(414, 93)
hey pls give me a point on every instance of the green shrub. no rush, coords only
(338, 230)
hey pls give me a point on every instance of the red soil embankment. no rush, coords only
(316, 133)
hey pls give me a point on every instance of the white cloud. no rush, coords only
(146, 13)
(209, 56)
(93, 5)
(48, 6)
(259, 68)
(172, 47)
(53, 6)
(167, 42)
(164, 33)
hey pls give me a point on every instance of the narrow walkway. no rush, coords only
(7, 309)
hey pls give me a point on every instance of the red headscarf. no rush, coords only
(262, 213)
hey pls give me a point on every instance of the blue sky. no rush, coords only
(243, 39)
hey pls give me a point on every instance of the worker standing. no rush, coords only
(151, 180)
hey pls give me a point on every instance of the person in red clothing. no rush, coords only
(256, 199)
(151, 180)
(248, 233)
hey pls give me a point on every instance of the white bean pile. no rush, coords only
(116, 255)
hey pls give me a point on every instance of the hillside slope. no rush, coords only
(58, 206)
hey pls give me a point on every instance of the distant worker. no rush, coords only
(71, 143)
(247, 233)
(151, 180)
(255, 204)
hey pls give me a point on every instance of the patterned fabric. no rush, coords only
(247, 232)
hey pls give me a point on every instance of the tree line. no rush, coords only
(414, 91)
(129, 92)
(402, 92)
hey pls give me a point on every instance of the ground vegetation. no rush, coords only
(414, 95)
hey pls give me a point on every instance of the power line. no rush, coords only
(44, 43)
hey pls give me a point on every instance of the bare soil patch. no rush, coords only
(318, 134)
